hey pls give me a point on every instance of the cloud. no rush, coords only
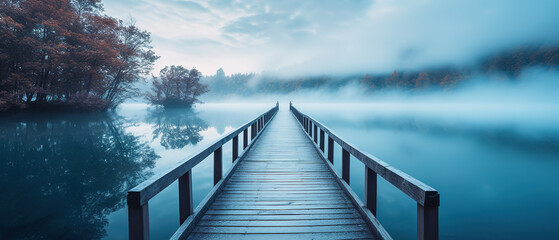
(336, 37)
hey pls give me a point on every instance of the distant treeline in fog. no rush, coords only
(509, 64)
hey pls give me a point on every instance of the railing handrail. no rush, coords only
(427, 198)
(404, 182)
(138, 197)
(146, 190)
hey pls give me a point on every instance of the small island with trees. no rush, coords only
(176, 86)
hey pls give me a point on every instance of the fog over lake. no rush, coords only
(97, 97)
(490, 150)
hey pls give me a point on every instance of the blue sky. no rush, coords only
(315, 37)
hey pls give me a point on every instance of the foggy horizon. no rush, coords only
(337, 37)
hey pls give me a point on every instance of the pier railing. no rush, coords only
(138, 197)
(427, 198)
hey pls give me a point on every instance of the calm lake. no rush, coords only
(65, 176)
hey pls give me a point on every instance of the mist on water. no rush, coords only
(530, 99)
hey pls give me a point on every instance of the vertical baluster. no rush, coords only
(185, 196)
(331, 149)
(138, 217)
(235, 148)
(245, 138)
(371, 190)
(218, 167)
(428, 217)
(322, 140)
(315, 132)
(252, 131)
(345, 165)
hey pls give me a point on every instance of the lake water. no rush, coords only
(65, 176)
(496, 168)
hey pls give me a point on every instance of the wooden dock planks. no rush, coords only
(282, 190)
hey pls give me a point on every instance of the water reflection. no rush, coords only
(504, 136)
(176, 127)
(486, 169)
(61, 176)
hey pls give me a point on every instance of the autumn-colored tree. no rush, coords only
(177, 86)
(67, 53)
(422, 81)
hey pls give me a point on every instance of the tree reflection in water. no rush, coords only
(177, 127)
(61, 176)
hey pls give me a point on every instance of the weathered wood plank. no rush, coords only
(241, 197)
(283, 236)
(278, 203)
(284, 223)
(283, 230)
(232, 206)
(280, 212)
(249, 187)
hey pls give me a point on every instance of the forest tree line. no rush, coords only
(510, 64)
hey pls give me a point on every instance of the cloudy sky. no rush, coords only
(315, 37)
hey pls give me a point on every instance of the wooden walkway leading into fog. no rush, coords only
(282, 189)
(282, 185)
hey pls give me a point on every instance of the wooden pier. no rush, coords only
(282, 185)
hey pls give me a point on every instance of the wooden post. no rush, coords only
(235, 148)
(252, 131)
(322, 140)
(315, 132)
(371, 190)
(185, 196)
(218, 156)
(345, 165)
(331, 149)
(138, 220)
(245, 138)
(428, 218)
